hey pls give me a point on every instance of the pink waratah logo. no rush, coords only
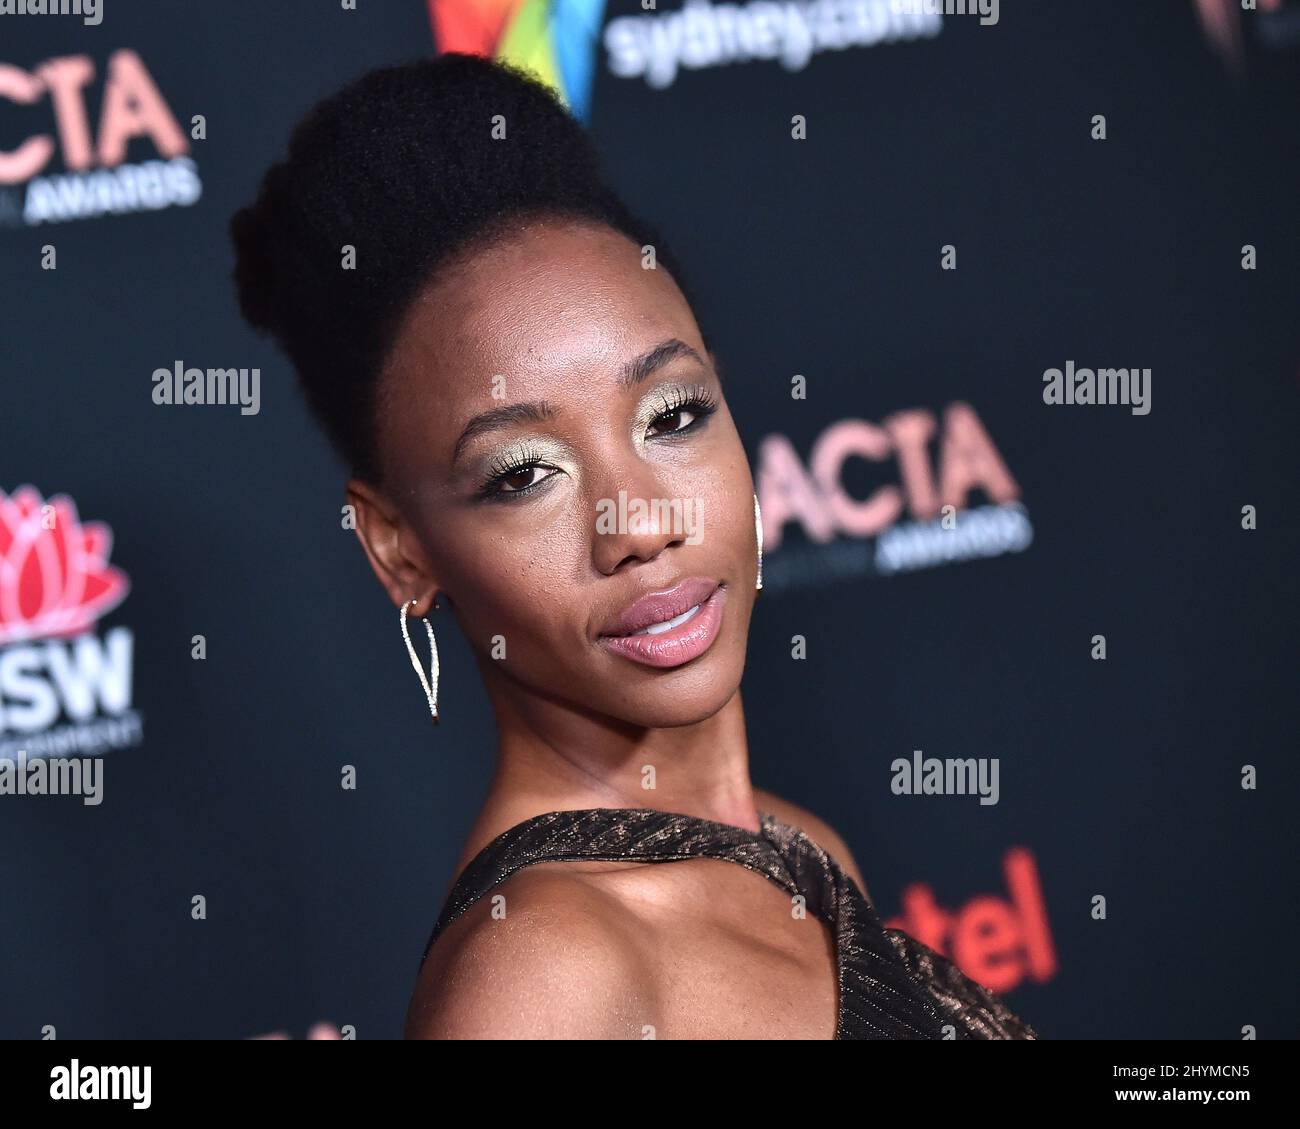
(55, 579)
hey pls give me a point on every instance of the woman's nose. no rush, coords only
(635, 518)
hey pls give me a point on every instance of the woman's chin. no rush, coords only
(681, 701)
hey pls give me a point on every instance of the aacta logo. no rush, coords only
(63, 688)
(554, 41)
(921, 520)
(97, 181)
(998, 942)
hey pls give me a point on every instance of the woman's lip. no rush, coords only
(683, 643)
(659, 607)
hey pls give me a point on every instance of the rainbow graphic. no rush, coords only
(555, 39)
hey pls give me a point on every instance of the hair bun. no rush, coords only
(408, 166)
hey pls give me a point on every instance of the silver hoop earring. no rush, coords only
(430, 684)
(758, 537)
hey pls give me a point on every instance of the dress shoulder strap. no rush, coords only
(610, 834)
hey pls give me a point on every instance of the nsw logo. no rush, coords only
(64, 688)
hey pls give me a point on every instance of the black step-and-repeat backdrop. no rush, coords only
(1007, 303)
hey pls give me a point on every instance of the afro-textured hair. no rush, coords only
(401, 164)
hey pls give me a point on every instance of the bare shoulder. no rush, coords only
(818, 830)
(558, 959)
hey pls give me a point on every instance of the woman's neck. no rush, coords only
(553, 759)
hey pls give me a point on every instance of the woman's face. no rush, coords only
(539, 398)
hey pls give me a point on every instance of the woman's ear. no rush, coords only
(394, 552)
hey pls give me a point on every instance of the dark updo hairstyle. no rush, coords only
(401, 164)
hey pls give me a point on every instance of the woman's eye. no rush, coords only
(518, 480)
(668, 417)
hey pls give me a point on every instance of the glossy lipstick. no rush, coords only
(646, 632)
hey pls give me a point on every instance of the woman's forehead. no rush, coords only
(551, 307)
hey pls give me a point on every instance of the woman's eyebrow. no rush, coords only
(539, 411)
(634, 372)
(531, 411)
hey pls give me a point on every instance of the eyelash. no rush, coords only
(698, 400)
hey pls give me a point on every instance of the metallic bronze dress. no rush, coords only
(891, 986)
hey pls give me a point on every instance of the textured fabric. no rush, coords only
(891, 986)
